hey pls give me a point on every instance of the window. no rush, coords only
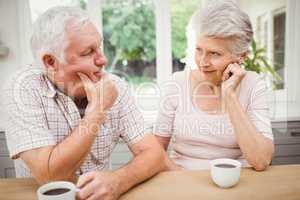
(181, 12)
(270, 35)
(278, 45)
(129, 39)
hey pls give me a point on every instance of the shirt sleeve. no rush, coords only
(25, 125)
(169, 99)
(132, 125)
(258, 110)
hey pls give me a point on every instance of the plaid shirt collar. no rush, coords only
(50, 89)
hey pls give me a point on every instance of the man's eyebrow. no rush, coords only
(86, 48)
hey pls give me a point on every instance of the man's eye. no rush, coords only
(88, 52)
(215, 54)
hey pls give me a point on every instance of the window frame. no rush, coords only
(163, 34)
(164, 66)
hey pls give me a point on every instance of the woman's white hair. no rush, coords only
(220, 19)
(49, 31)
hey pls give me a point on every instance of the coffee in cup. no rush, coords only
(225, 172)
(57, 190)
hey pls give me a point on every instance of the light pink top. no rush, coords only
(199, 137)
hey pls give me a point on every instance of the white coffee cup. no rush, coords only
(69, 195)
(225, 172)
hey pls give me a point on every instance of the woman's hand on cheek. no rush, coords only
(231, 78)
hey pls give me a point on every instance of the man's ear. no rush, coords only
(50, 62)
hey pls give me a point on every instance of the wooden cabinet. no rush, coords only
(6, 164)
(286, 138)
(287, 142)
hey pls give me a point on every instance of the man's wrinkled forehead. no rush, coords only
(82, 28)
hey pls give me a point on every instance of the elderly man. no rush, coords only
(65, 119)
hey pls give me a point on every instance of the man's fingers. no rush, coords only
(85, 80)
(87, 84)
(85, 178)
(93, 197)
(83, 77)
(87, 191)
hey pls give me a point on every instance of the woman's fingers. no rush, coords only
(232, 69)
(226, 73)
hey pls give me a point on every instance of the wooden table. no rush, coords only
(278, 182)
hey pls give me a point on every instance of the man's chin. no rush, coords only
(77, 91)
(79, 94)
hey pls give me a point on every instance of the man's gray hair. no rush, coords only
(49, 31)
(221, 19)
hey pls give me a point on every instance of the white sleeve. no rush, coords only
(169, 99)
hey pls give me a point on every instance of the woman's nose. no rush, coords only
(204, 62)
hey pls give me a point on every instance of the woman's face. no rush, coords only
(212, 56)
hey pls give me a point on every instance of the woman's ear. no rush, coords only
(242, 58)
(50, 62)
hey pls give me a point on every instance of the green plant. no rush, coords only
(256, 61)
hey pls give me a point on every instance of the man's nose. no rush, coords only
(100, 59)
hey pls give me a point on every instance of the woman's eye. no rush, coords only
(199, 50)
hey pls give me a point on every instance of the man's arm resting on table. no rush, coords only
(148, 160)
(61, 161)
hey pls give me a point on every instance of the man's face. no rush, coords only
(82, 54)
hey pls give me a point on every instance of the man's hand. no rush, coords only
(232, 77)
(101, 95)
(98, 185)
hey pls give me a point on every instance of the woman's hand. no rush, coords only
(231, 78)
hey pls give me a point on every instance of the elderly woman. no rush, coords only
(217, 110)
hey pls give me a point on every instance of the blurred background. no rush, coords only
(145, 41)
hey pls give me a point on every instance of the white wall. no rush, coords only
(293, 57)
(256, 8)
(9, 36)
(13, 36)
(285, 104)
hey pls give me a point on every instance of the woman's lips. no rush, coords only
(208, 72)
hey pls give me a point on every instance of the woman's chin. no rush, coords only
(213, 78)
